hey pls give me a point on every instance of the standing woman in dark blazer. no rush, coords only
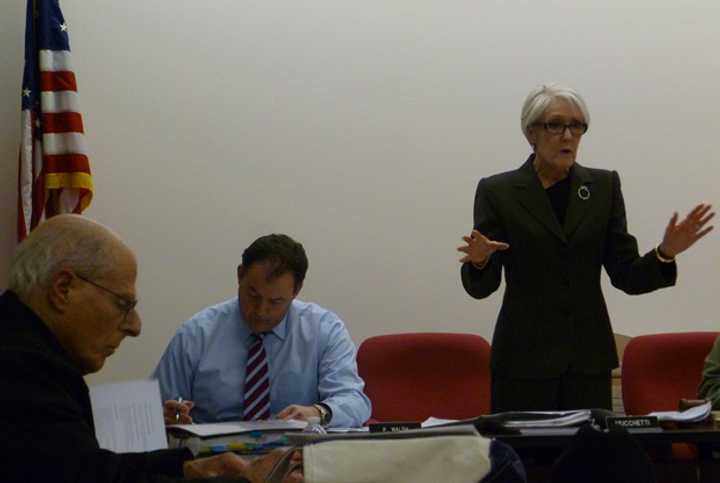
(551, 225)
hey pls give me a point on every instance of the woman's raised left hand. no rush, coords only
(681, 236)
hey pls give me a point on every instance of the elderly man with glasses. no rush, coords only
(70, 303)
(551, 226)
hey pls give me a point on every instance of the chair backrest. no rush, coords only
(660, 369)
(410, 377)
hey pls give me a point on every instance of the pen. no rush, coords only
(177, 411)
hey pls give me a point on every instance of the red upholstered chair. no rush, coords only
(410, 377)
(660, 369)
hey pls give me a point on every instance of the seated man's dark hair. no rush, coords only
(281, 253)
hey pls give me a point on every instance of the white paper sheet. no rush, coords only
(693, 414)
(362, 429)
(528, 419)
(433, 421)
(128, 416)
(238, 427)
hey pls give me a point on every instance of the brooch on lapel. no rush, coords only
(584, 193)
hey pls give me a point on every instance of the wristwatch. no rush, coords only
(325, 413)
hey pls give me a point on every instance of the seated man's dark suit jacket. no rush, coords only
(46, 426)
(553, 316)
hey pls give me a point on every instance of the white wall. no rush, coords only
(361, 129)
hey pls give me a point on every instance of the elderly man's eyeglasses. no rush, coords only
(127, 304)
(554, 127)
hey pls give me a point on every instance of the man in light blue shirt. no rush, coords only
(310, 356)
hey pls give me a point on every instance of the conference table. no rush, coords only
(539, 448)
(658, 442)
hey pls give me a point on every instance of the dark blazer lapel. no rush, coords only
(532, 196)
(580, 199)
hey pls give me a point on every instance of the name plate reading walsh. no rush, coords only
(632, 422)
(393, 427)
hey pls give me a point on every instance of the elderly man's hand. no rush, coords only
(260, 468)
(681, 236)
(479, 248)
(176, 412)
(295, 411)
(226, 465)
(295, 475)
(230, 465)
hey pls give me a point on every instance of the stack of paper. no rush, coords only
(128, 416)
(302, 438)
(691, 415)
(244, 444)
(242, 437)
(546, 419)
(525, 419)
(208, 430)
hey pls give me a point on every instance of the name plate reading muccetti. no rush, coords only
(632, 422)
(393, 427)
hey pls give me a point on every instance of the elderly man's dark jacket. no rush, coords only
(46, 425)
(553, 316)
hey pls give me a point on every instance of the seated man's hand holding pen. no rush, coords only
(177, 411)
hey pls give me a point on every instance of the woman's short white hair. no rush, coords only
(540, 98)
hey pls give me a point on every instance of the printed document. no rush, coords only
(128, 416)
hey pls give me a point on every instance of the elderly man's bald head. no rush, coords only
(64, 241)
(79, 279)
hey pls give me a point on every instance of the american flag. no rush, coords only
(54, 170)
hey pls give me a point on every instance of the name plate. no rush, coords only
(393, 427)
(632, 422)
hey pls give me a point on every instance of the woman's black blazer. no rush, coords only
(553, 316)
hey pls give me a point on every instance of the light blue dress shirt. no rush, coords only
(311, 359)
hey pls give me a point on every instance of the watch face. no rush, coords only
(324, 414)
(321, 410)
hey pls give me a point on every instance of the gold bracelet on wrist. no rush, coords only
(662, 258)
(480, 266)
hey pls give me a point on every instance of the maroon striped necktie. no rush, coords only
(257, 382)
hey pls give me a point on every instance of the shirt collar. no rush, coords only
(280, 330)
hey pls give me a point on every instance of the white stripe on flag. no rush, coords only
(39, 165)
(54, 60)
(69, 199)
(26, 143)
(59, 101)
(64, 143)
(25, 174)
(37, 159)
